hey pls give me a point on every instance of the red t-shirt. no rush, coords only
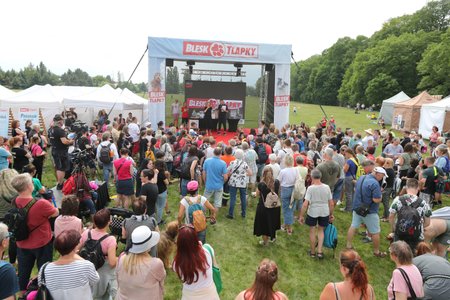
(184, 112)
(122, 167)
(38, 224)
(268, 151)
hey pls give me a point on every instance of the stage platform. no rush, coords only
(228, 136)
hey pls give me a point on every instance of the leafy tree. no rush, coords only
(172, 81)
(381, 87)
(251, 91)
(435, 67)
(76, 78)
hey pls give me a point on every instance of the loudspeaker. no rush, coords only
(169, 62)
(269, 67)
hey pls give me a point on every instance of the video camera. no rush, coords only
(79, 157)
(79, 128)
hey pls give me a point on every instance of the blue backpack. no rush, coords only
(330, 239)
(446, 168)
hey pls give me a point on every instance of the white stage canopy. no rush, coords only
(5, 93)
(387, 108)
(434, 114)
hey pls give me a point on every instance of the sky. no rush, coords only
(106, 37)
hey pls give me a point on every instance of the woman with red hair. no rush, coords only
(262, 288)
(193, 265)
(356, 282)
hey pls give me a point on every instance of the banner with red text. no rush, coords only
(197, 106)
(157, 91)
(28, 114)
(282, 95)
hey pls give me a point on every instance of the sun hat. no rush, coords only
(143, 239)
(369, 131)
(380, 170)
(192, 185)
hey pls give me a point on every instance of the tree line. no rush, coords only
(409, 53)
(31, 75)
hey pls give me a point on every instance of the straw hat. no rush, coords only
(369, 131)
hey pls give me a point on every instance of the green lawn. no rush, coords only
(239, 253)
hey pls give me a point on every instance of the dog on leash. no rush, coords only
(167, 243)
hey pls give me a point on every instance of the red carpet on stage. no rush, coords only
(228, 136)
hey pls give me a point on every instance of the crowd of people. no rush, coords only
(268, 166)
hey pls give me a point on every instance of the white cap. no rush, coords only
(380, 170)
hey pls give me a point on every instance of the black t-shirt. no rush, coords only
(391, 177)
(208, 113)
(223, 114)
(82, 142)
(20, 160)
(58, 133)
(161, 185)
(405, 141)
(150, 191)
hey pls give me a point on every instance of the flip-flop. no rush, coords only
(380, 254)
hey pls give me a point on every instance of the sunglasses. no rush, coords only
(187, 226)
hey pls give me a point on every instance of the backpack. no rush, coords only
(330, 239)
(92, 251)
(408, 223)
(196, 215)
(262, 154)
(185, 172)
(69, 186)
(299, 187)
(446, 168)
(359, 169)
(16, 219)
(150, 155)
(272, 200)
(105, 156)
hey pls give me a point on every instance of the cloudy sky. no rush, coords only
(105, 37)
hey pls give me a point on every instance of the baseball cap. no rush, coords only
(57, 117)
(380, 170)
(192, 185)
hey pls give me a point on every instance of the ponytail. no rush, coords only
(357, 271)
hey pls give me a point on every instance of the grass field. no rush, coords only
(239, 253)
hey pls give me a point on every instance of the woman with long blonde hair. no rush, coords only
(139, 275)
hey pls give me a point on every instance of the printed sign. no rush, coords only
(28, 114)
(197, 106)
(218, 49)
(4, 122)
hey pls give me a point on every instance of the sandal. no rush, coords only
(312, 255)
(262, 243)
(320, 255)
(380, 254)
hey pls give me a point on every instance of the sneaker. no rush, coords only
(338, 202)
(343, 209)
(229, 217)
(262, 243)
(366, 240)
(283, 228)
(273, 240)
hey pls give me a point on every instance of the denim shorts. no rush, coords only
(216, 196)
(372, 222)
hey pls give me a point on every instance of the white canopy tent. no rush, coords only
(5, 93)
(387, 108)
(435, 114)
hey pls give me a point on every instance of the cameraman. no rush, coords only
(60, 145)
(83, 144)
(106, 154)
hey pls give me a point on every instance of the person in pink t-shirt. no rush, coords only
(38, 156)
(107, 286)
(68, 218)
(405, 272)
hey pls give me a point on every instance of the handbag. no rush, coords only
(408, 283)
(217, 277)
(272, 200)
(43, 293)
(363, 209)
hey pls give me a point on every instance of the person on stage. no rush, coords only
(208, 118)
(223, 110)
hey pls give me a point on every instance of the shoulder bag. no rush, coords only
(43, 293)
(363, 209)
(217, 277)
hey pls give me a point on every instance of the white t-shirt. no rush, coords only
(287, 177)
(186, 205)
(175, 108)
(133, 130)
(318, 197)
(281, 155)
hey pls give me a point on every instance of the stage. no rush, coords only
(228, 136)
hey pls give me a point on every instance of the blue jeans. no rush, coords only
(233, 194)
(89, 204)
(160, 204)
(349, 192)
(28, 257)
(183, 185)
(337, 191)
(107, 170)
(169, 166)
(288, 213)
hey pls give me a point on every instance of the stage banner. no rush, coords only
(28, 114)
(197, 106)
(282, 95)
(4, 122)
(156, 90)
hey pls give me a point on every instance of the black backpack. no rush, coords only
(262, 154)
(16, 219)
(186, 167)
(408, 223)
(104, 155)
(92, 251)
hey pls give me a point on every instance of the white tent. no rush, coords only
(435, 114)
(5, 93)
(387, 108)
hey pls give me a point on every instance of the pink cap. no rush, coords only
(192, 185)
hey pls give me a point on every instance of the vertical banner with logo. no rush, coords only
(28, 114)
(156, 90)
(282, 95)
(4, 122)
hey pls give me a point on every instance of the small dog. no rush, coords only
(167, 243)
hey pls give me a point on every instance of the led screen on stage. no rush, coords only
(198, 93)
